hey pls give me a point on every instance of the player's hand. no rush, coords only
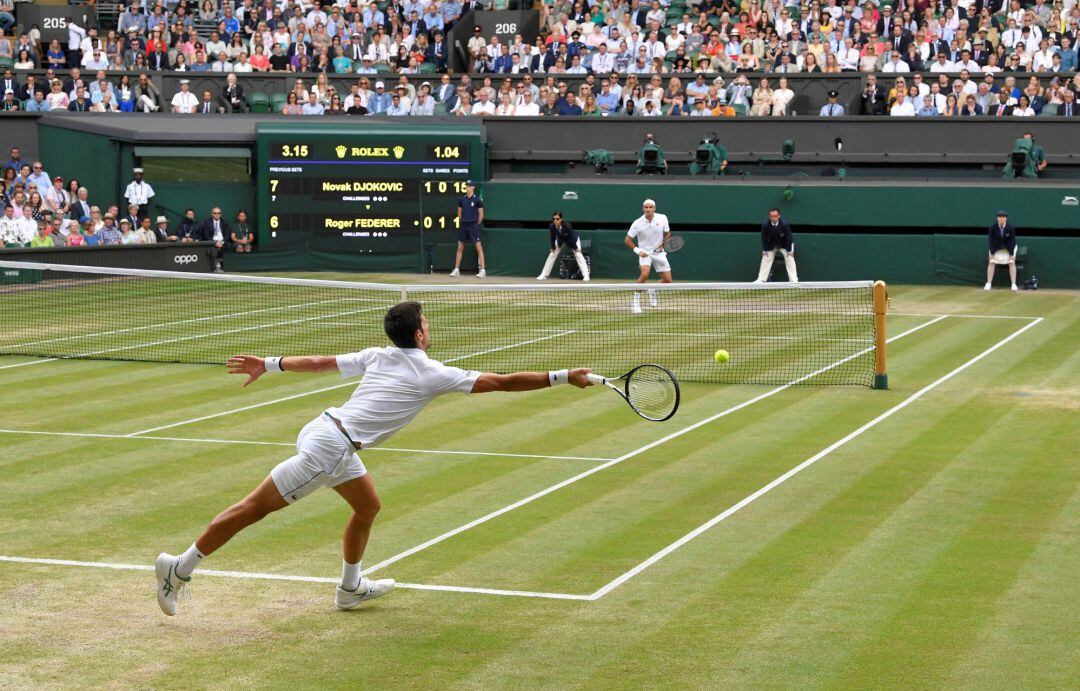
(642, 253)
(251, 365)
(579, 378)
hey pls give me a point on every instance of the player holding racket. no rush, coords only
(651, 231)
(398, 382)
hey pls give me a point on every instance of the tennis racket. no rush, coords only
(674, 244)
(651, 390)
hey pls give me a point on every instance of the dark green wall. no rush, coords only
(915, 204)
(93, 159)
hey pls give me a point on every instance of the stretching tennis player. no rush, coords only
(398, 382)
(651, 231)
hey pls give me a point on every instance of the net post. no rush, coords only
(881, 306)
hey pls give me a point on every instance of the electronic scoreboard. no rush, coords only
(367, 189)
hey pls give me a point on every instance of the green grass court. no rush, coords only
(807, 536)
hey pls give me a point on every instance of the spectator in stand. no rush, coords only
(903, 107)
(145, 234)
(57, 199)
(216, 230)
(242, 235)
(873, 98)
(10, 232)
(127, 235)
(188, 229)
(109, 233)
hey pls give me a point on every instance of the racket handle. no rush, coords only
(596, 378)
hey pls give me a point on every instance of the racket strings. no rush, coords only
(652, 392)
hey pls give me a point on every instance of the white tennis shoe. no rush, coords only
(541, 277)
(367, 590)
(482, 274)
(169, 585)
(1014, 287)
(986, 287)
(455, 273)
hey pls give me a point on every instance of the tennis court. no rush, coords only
(775, 533)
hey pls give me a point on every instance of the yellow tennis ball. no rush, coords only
(721, 356)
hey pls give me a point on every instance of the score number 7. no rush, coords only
(273, 190)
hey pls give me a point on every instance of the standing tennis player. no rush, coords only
(470, 215)
(562, 234)
(398, 381)
(651, 231)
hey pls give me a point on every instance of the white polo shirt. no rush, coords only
(397, 384)
(649, 234)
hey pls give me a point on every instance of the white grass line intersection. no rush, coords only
(331, 388)
(604, 590)
(615, 461)
(436, 452)
(302, 579)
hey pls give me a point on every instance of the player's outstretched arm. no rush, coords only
(255, 366)
(527, 381)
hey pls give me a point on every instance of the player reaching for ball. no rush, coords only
(651, 231)
(398, 381)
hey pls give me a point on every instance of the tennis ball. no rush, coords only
(721, 356)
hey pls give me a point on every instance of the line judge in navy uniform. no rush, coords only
(470, 215)
(776, 236)
(562, 234)
(1002, 237)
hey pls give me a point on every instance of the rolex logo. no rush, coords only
(340, 151)
(399, 151)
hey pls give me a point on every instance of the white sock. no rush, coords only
(189, 561)
(350, 575)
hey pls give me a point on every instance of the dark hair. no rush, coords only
(401, 323)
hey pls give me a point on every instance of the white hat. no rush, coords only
(647, 202)
(136, 170)
(162, 219)
(380, 85)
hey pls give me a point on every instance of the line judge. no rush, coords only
(776, 236)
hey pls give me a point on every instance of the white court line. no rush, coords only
(615, 461)
(438, 452)
(302, 579)
(331, 388)
(31, 362)
(803, 466)
(967, 316)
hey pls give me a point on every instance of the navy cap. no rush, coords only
(1002, 212)
(470, 183)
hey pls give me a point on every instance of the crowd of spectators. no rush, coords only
(44, 211)
(644, 57)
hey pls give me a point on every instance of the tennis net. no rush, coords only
(818, 333)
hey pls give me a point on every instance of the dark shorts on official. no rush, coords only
(470, 234)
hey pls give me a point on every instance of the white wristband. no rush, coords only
(636, 250)
(555, 378)
(272, 364)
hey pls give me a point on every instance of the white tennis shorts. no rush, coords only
(324, 458)
(1001, 257)
(658, 261)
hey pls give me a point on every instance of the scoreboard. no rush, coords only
(364, 189)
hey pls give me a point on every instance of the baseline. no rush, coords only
(302, 579)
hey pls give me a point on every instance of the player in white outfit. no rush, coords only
(651, 231)
(398, 382)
